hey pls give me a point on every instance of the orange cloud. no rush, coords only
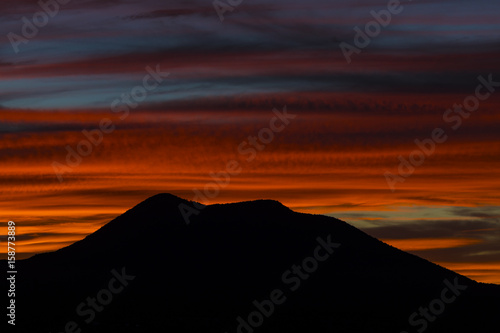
(430, 243)
(321, 163)
(483, 272)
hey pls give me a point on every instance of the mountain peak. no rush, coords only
(258, 204)
(162, 198)
(212, 271)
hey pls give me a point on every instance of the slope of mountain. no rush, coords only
(243, 267)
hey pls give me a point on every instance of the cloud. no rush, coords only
(289, 49)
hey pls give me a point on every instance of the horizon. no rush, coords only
(415, 246)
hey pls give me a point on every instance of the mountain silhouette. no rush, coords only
(243, 267)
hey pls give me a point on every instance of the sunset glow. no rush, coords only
(351, 124)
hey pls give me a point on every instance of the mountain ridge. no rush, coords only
(230, 255)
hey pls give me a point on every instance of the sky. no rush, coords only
(160, 97)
